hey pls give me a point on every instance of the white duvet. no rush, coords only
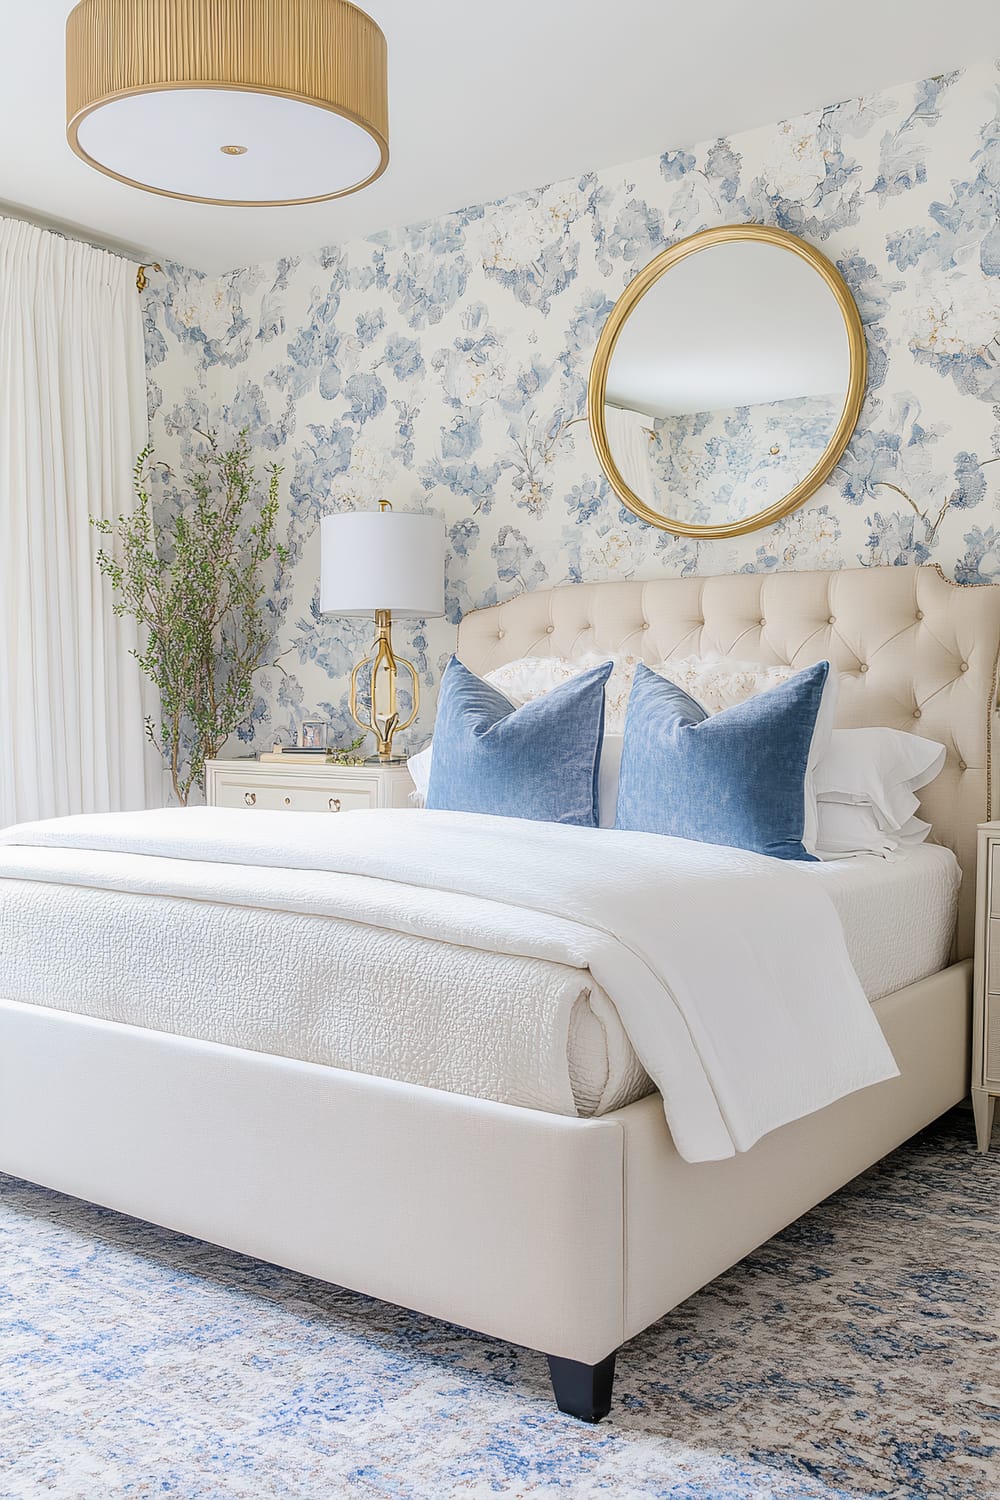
(729, 970)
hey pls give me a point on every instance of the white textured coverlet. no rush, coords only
(728, 969)
(290, 981)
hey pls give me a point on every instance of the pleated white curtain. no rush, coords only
(72, 419)
(628, 439)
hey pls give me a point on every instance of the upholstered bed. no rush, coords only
(525, 1220)
(256, 960)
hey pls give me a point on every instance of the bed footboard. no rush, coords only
(501, 1219)
(563, 1235)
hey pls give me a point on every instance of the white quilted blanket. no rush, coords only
(729, 970)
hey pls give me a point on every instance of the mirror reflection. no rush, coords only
(728, 381)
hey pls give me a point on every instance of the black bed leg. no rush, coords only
(582, 1391)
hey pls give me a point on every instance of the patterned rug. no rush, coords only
(854, 1355)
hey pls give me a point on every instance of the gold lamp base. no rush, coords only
(384, 664)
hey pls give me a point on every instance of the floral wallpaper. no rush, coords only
(712, 466)
(444, 365)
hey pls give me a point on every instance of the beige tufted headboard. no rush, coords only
(915, 652)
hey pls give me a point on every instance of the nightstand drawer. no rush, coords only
(281, 797)
(274, 787)
(991, 1020)
(991, 1049)
(993, 958)
(986, 985)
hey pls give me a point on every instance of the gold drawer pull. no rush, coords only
(288, 801)
(335, 804)
(249, 798)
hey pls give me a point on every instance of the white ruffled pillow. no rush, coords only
(716, 682)
(531, 676)
(879, 768)
(851, 828)
(419, 767)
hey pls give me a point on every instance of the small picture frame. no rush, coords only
(314, 734)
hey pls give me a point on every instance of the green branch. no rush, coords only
(196, 592)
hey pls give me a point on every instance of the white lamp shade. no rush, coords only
(387, 559)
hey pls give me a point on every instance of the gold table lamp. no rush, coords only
(382, 563)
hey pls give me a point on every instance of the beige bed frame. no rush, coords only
(569, 1236)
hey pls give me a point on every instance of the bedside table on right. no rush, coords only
(986, 986)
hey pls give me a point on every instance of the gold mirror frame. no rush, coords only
(629, 300)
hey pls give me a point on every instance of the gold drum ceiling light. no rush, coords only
(252, 103)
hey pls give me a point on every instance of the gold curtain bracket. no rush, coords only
(141, 279)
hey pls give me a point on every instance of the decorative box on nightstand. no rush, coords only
(297, 787)
(986, 990)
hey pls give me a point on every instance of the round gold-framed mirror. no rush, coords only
(722, 394)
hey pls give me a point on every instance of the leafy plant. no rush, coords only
(347, 755)
(196, 589)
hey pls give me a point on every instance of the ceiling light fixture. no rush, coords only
(155, 89)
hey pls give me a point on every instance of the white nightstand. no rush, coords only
(304, 788)
(986, 987)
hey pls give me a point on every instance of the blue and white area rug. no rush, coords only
(854, 1355)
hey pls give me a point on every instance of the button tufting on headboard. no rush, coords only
(915, 651)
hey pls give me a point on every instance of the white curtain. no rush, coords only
(628, 439)
(72, 419)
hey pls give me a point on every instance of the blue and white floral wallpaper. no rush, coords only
(444, 366)
(714, 466)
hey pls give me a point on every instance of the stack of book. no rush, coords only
(296, 752)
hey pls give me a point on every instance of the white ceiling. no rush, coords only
(487, 98)
(737, 324)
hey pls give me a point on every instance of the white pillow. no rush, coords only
(848, 828)
(607, 780)
(718, 682)
(823, 732)
(530, 677)
(880, 768)
(715, 681)
(419, 767)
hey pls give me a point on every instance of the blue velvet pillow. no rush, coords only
(735, 778)
(538, 761)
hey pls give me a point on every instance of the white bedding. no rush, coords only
(729, 971)
(386, 1003)
(898, 913)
